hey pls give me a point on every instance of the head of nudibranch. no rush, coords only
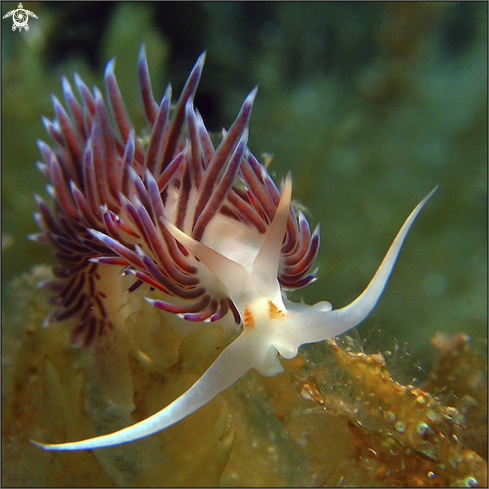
(205, 227)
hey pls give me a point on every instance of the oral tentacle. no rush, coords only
(231, 365)
(316, 325)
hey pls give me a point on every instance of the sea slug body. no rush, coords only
(205, 227)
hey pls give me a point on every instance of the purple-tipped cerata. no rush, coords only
(204, 228)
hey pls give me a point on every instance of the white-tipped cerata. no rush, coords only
(205, 227)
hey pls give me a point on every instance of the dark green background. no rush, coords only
(370, 105)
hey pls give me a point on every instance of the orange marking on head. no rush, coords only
(274, 312)
(249, 322)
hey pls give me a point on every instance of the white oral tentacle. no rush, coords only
(231, 365)
(313, 325)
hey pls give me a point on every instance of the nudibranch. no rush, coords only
(203, 227)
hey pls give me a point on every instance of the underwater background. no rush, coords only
(370, 105)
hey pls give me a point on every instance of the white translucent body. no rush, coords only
(273, 326)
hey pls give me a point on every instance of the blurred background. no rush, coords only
(370, 105)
